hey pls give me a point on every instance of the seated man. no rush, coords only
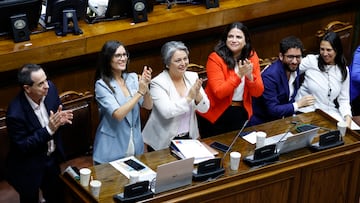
(33, 119)
(281, 82)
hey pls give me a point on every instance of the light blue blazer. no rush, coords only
(112, 136)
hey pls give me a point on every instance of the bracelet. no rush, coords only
(142, 94)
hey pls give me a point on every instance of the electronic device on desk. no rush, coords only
(328, 140)
(263, 155)
(208, 169)
(122, 9)
(134, 192)
(19, 18)
(173, 175)
(64, 15)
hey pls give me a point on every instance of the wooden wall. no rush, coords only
(78, 73)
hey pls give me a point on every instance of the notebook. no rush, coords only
(291, 141)
(173, 175)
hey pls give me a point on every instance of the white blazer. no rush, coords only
(163, 123)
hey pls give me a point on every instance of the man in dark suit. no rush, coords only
(281, 82)
(33, 119)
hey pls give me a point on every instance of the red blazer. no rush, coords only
(222, 82)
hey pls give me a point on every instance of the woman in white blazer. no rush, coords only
(177, 94)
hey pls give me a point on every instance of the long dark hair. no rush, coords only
(104, 69)
(222, 50)
(340, 60)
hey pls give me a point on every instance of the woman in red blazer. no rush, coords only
(233, 72)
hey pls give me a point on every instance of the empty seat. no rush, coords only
(77, 137)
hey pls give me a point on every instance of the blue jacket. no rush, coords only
(354, 69)
(28, 150)
(274, 102)
(112, 136)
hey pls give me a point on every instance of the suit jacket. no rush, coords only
(113, 136)
(28, 150)
(274, 102)
(222, 82)
(163, 123)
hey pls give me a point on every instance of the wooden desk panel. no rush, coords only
(47, 47)
(300, 176)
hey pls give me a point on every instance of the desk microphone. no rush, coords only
(213, 168)
(232, 143)
(267, 154)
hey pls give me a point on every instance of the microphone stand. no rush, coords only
(213, 168)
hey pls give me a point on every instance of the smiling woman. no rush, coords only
(119, 95)
(177, 94)
(240, 80)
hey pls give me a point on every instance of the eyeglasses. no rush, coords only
(125, 55)
(291, 57)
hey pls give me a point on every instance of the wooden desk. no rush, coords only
(300, 176)
(162, 23)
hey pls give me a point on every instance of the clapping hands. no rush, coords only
(245, 69)
(59, 118)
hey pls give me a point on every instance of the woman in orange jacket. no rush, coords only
(233, 72)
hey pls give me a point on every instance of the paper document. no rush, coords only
(144, 174)
(251, 137)
(191, 148)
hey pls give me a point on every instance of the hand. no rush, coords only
(307, 100)
(245, 68)
(59, 118)
(194, 92)
(146, 74)
(145, 80)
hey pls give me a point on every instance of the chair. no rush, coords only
(200, 69)
(344, 30)
(7, 193)
(77, 137)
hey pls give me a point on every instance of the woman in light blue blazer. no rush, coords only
(119, 95)
(177, 94)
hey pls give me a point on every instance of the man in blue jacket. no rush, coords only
(281, 82)
(33, 119)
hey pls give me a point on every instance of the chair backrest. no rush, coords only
(344, 30)
(77, 137)
(200, 69)
(4, 143)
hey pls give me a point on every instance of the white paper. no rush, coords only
(193, 148)
(251, 137)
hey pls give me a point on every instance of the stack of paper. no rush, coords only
(191, 148)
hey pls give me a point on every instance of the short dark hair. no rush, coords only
(290, 42)
(24, 74)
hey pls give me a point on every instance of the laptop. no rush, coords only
(174, 175)
(287, 142)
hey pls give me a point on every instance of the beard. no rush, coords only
(287, 67)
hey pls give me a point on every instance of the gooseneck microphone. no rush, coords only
(234, 140)
(213, 168)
